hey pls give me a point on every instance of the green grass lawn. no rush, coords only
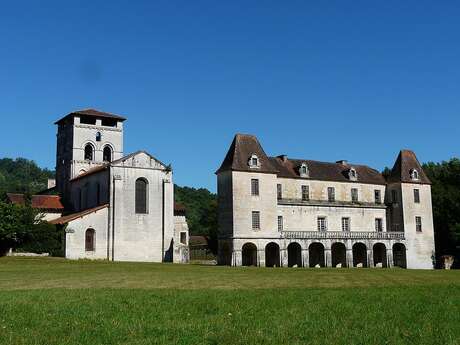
(54, 301)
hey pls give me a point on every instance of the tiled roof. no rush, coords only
(325, 171)
(405, 163)
(48, 202)
(244, 145)
(92, 112)
(73, 216)
(241, 149)
(91, 171)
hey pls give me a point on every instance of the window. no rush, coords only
(141, 196)
(254, 161)
(98, 194)
(303, 170)
(377, 196)
(378, 224)
(345, 224)
(352, 174)
(98, 136)
(89, 240)
(280, 223)
(394, 196)
(417, 196)
(418, 224)
(89, 152)
(354, 195)
(255, 220)
(414, 174)
(305, 193)
(279, 191)
(107, 154)
(254, 186)
(183, 237)
(322, 225)
(331, 194)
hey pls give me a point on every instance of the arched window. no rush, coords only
(142, 187)
(352, 174)
(303, 170)
(89, 152)
(98, 136)
(414, 174)
(107, 155)
(253, 161)
(90, 240)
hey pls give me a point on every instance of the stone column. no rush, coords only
(327, 257)
(283, 258)
(261, 257)
(349, 256)
(237, 258)
(370, 258)
(305, 258)
(389, 258)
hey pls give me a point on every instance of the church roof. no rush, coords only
(405, 163)
(73, 216)
(104, 166)
(92, 112)
(245, 145)
(42, 202)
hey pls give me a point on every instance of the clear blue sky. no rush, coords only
(356, 80)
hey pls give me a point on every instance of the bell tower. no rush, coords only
(86, 139)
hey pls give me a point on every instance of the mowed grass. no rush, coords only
(54, 301)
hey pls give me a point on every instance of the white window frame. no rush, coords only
(346, 224)
(255, 187)
(255, 218)
(321, 222)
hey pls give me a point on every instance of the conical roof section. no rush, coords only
(239, 153)
(405, 163)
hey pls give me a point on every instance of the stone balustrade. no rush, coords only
(370, 235)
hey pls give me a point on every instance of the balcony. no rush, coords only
(326, 203)
(343, 235)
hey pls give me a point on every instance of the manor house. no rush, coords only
(279, 211)
(116, 207)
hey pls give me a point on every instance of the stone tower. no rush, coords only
(410, 209)
(86, 139)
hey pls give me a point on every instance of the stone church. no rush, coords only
(280, 211)
(116, 207)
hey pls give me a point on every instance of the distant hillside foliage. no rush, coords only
(21, 175)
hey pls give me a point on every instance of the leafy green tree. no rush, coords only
(445, 177)
(15, 222)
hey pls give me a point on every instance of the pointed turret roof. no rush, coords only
(404, 165)
(239, 153)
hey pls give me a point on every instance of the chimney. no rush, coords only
(283, 158)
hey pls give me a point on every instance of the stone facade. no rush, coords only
(122, 208)
(311, 213)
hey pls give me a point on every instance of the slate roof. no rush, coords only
(406, 162)
(48, 202)
(73, 216)
(325, 171)
(92, 112)
(244, 145)
(241, 149)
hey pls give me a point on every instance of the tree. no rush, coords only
(15, 222)
(445, 178)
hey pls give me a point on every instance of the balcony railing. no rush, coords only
(354, 235)
(326, 203)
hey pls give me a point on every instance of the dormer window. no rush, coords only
(414, 175)
(98, 136)
(352, 174)
(303, 170)
(254, 162)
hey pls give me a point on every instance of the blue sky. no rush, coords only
(355, 80)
